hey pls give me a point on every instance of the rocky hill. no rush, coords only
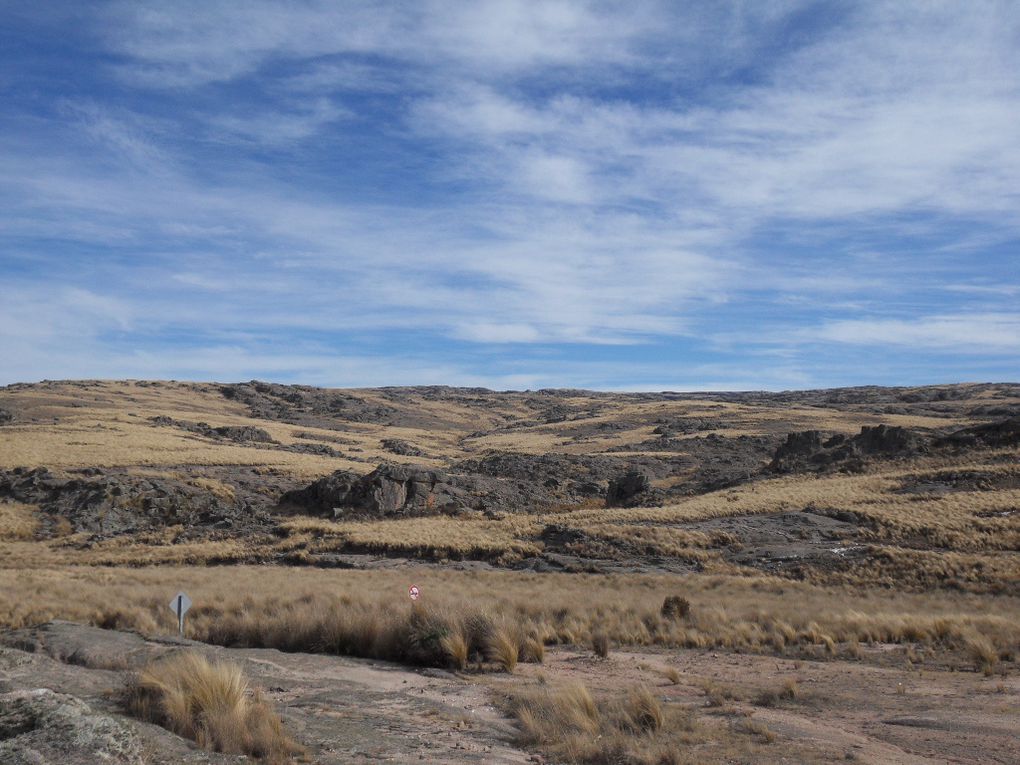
(87, 462)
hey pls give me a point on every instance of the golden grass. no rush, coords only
(212, 704)
(88, 443)
(18, 522)
(635, 727)
(429, 537)
(367, 613)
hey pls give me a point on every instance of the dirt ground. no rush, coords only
(853, 711)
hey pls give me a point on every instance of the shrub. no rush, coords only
(600, 644)
(675, 607)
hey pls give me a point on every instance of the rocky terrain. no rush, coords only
(229, 462)
(852, 539)
(356, 711)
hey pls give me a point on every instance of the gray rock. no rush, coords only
(624, 489)
(40, 727)
(111, 503)
(401, 448)
(387, 490)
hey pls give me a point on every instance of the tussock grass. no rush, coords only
(212, 704)
(366, 613)
(504, 647)
(982, 652)
(570, 723)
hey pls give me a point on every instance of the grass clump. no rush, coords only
(211, 703)
(503, 648)
(600, 644)
(770, 697)
(642, 712)
(574, 726)
(982, 652)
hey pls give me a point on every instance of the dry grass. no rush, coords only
(574, 726)
(504, 648)
(367, 613)
(212, 704)
(18, 522)
(960, 539)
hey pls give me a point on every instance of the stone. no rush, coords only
(41, 727)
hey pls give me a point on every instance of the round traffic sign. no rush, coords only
(414, 592)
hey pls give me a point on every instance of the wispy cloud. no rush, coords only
(603, 190)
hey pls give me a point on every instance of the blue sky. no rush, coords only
(517, 195)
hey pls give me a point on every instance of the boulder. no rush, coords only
(402, 448)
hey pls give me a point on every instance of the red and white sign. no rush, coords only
(414, 592)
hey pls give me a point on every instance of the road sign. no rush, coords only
(180, 605)
(414, 592)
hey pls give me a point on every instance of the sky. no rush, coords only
(517, 195)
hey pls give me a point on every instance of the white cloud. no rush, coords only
(965, 333)
(582, 173)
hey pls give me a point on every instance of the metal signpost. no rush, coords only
(180, 605)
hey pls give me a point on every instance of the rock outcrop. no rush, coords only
(238, 433)
(625, 489)
(41, 727)
(388, 490)
(112, 503)
(992, 434)
(398, 490)
(812, 450)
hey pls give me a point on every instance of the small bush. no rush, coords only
(212, 704)
(673, 675)
(676, 607)
(600, 644)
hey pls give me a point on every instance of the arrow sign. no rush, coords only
(180, 605)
